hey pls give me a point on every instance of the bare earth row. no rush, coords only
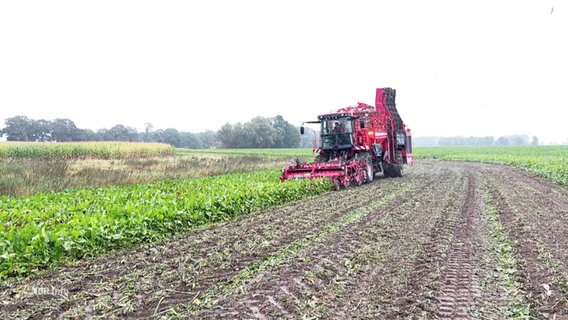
(449, 240)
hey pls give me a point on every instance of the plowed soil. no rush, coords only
(448, 240)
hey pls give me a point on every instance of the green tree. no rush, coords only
(103, 135)
(208, 139)
(502, 141)
(171, 136)
(43, 130)
(20, 128)
(261, 133)
(133, 135)
(519, 140)
(286, 135)
(88, 135)
(190, 140)
(118, 133)
(226, 135)
(64, 130)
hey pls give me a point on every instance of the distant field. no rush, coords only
(550, 162)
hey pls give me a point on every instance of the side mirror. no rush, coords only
(362, 123)
(302, 130)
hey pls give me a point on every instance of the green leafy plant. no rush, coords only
(40, 230)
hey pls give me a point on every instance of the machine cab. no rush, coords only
(336, 132)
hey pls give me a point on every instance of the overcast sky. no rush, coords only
(459, 67)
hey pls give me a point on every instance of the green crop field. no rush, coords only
(550, 162)
(40, 230)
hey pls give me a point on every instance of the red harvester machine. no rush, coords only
(356, 142)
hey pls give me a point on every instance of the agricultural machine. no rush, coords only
(357, 142)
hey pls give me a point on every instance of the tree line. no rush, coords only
(260, 132)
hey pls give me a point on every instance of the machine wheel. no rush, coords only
(387, 171)
(399, 172)
(391, 171)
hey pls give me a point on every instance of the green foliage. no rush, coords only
(259, 132)
(550, 162)
(43, 229)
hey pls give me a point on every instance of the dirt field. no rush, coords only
(449, 240)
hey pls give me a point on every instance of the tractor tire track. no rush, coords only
(461, 285)
(425, 282)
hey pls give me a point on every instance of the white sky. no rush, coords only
(459, 67)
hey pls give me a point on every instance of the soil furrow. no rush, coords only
(545, 279)
(297, 275)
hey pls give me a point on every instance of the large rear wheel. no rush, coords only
(392, 171)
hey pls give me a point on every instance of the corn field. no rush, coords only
(83, 150)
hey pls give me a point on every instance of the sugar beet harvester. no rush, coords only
(356, 142)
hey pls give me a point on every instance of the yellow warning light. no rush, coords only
(371, 133)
